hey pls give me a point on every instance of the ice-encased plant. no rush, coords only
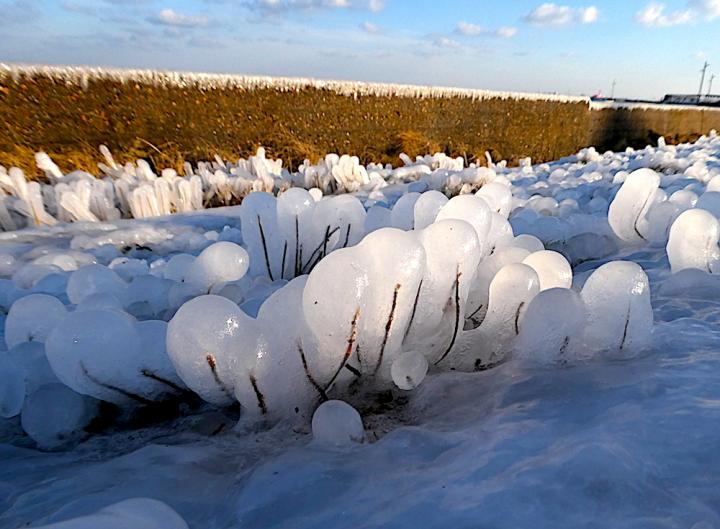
(628, 211)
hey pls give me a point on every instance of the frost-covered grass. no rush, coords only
(548, 332)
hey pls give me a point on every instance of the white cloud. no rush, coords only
(376, 5)
(708, 9)
(369, 27)
(506, 32)
(170, 17)
(550, 14)
(469, 30)
(654, 15)
(446, 42)
(280, 6)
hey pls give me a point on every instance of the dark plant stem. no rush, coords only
(457, 316)
(348, 350)
(265, 250)
(388, 326)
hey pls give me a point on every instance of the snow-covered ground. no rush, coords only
(565, 314)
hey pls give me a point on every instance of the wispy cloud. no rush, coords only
(280, 6)
(654, 15)
(468, 29)
(446, 42)
(170, 17)
(708, 9)
(555, 15)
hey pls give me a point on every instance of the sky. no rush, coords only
(577, 48)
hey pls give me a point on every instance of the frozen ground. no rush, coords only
(597, 435)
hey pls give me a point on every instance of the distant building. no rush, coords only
(687, 99)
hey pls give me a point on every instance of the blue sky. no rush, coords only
(651, 48)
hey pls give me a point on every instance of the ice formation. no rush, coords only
(693, 241)
(620, 317)
(337, 423)
(337, 282)
(54, 416)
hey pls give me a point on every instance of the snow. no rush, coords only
(452, 365)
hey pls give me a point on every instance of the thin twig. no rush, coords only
(258, 394)
(265, 250)
(414, 309)
(457, 315)
(348, 349)
(311, 379)
(388, 325)
(123, 392)
(210, 359)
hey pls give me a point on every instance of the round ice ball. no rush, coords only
(218, 263)
(55, 415)
(98, 353)
(337, 423)
(204, 341)
(552, 269)
(409, 370)
(32, 318)
(100, 301)
(93, 279)
(12, 388)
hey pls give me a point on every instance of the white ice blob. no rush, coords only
(99, 354)
(552, 269)
(427, 208)
(288, 381)
(94, 279)
(409, 370)
(337, 423)
(218, 263)
(526, 241)
(32, 318)
(177, 267)
(54, 416)
(403, 212)
(498, 198)
(693, 241)
(452, 255)
(620, 316)
(477, 304)
(550, 329)
(361, 299)
(627, 213)
(511, 291)
(473, 210)
(205, 341)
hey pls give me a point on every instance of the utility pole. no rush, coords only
(712, 78)
(612, 92)
(702, 80)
